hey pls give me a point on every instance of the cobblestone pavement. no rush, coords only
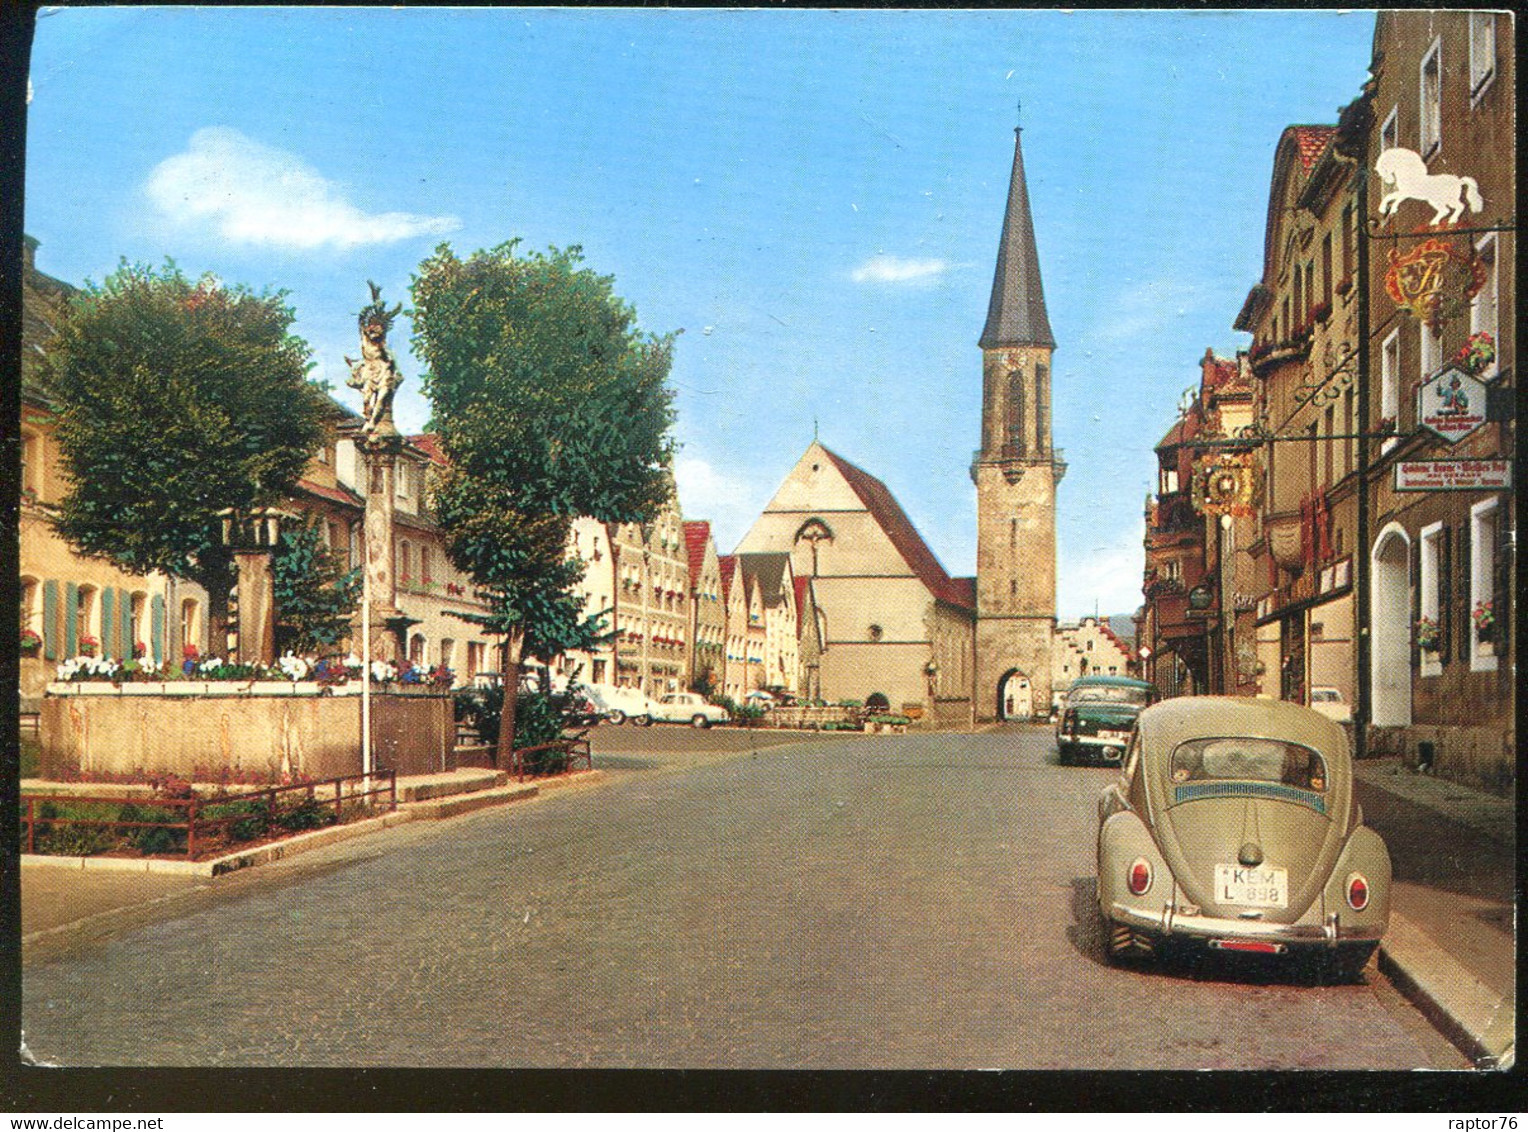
(898, 902)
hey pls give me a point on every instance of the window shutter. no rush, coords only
(1501, 583)
(50, 619)
(71, 620)
(156, 628)
(128, 643)
(1463, 599)
(1445, 596)
(108, 622)
(1416, 600)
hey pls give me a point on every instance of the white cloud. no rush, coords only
(1149, 307)
(252, 193)
(895, 269)
(1108, 575)
(725, 500)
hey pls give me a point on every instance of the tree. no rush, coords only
(315, 595)
(549, 404)
(176, 400)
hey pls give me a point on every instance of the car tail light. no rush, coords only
(1358, 892)
(1139, 877)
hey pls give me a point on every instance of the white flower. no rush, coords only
(294, 668)
(382, 671)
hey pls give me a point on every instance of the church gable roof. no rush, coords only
(697, 532)
(889, 515)
(768, 572)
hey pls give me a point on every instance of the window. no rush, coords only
(137, 606)
(1389, 387)
(1432, 351)
(416, 649)
(405, 556)
(1349, 446)
(1169, 481)
(1326, 269)
(1390, 132)
(31, 465)
(1482, 580)
(424, 564)
(474, 658)
(1484, 307)
(31, 613)
(1482, 53)
(401, 480)
(1430, 100)
(1172, 570)
(190, 622)
(1430, 603)
(1329, 471)
(1347, 241)
(85, 615)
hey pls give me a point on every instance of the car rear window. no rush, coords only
(1236, 759)
(1139, 697)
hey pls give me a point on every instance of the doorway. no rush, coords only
(1015, 697)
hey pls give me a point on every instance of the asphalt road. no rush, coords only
(888, 902)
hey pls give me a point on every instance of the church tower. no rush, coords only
(1016, 471)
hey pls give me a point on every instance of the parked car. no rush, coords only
(1097, 715)
(1234, 827)
(621, 704)
(688, 707)
(1329, 702)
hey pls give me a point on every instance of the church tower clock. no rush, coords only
(1016, 471)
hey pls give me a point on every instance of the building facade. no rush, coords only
(708, 613)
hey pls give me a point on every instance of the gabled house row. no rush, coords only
(1360, 534)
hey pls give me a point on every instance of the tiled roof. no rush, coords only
(1016, 312)
(801, 584)
(1175, 435)
(767, 569)
(343, 496)
(884, 508)
(429, 444)
(729, 566)
(1312, 141)
(697, 532)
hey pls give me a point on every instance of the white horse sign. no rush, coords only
(1406, 175)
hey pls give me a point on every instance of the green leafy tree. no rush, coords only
(315, 595)
(176, 400)
(549, 404)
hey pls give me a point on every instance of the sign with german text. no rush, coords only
(1453, 475)
(1452, 404)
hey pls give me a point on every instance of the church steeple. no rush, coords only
(1016, 313)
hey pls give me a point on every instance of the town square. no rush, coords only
(725, 539)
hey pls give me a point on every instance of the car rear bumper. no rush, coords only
(1239, 934)
(1110, 749)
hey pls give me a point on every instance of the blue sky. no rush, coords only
(814, 197)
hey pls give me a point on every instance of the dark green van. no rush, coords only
(1097, 716)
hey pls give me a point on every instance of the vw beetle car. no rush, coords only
(1097, 715)
(1234, 827)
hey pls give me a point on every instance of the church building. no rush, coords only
(896, 626)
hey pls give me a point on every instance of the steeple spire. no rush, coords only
(1016, 314)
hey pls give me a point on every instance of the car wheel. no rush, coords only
(1063, 754)
(642, 720)
(617, 717)
(700, 722)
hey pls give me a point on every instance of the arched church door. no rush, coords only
(1015, 698)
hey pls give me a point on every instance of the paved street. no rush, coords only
(893, 902)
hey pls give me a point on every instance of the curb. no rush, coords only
(435, 809)
(1471, 1015)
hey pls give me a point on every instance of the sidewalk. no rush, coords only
(1451, 945)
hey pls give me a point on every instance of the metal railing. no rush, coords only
(204, 818)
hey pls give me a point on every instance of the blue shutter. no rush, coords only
(128, 642)
(108, 622)
(71, 620)
(50, 619)
(156, 629)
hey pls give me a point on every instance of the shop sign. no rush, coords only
(1452, 404)
(1453, 475)
(1226, 484)
(1435, 280)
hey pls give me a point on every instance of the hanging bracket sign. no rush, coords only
(1452, 404)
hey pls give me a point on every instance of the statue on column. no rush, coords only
(376, 374)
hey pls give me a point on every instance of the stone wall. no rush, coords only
(107, 730)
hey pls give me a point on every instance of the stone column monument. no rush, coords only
(253, 538)
(376, 376)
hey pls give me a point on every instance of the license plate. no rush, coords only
(1115, 736)
(1259, 887)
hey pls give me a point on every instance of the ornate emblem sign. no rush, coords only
(1225, 484)
(1452, 404)
(1435, 280)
